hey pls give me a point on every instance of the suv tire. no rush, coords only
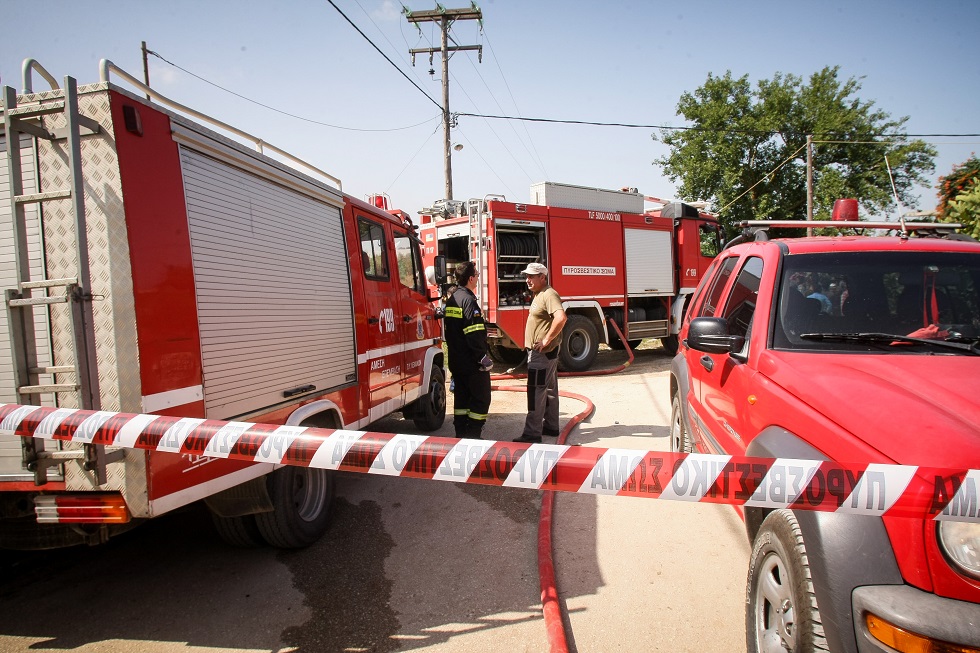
(680, 439)
(781, 611)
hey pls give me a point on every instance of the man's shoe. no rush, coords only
(533, 439)
(550, 433)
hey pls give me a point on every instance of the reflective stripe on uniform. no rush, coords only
(459, 411)
(454, 311)
(475, 327)
(477, 416)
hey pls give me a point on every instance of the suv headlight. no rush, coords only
(961, 544)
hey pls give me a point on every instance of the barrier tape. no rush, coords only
(858, 489)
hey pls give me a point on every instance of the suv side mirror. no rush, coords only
(711, 335)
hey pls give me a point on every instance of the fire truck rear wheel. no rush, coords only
(430, 411)
(670, 344)
(301, 498)
(580, 344)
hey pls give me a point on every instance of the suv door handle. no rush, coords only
(707, 362)
(373, 320)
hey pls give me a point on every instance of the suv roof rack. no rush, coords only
(758, 229)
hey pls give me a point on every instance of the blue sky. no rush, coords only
(614, 61)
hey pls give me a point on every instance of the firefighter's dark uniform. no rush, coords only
(466, 336)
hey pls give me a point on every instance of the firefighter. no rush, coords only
(542, 337)
(469, 362)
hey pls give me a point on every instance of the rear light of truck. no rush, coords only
(86, 508)
(907, 642)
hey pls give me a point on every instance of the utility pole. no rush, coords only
(809, 182)
(445, 18)
(146, 68)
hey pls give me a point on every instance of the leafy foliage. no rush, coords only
(959, 196)
(746, 150)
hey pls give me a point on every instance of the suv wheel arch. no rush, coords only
(844, 551)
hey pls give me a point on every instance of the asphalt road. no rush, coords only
(413, 565)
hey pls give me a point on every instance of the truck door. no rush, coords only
(383, 351)
(412, 312)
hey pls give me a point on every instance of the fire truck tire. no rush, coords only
(781, 611)
(506, 355)
(670, 344)
(301, 499)
(430, 409)
(580, 344)
(241, 532)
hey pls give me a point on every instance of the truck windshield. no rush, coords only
(853, 301)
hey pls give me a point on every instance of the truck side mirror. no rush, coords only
(440, 269)
(711, 335)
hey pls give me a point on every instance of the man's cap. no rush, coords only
(534, 268)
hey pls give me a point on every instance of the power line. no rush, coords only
(463, 136)
(384, 55)
(764, 177)
(280, 111)
(523, 143)
(704, 129)
(493, 53)
(417, 152)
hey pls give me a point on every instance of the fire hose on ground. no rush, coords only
(550, 605)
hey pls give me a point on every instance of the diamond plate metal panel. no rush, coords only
(114, 310)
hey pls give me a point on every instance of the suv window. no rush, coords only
(920, 294)
(740, 308)
(699, 291)
(713, 298)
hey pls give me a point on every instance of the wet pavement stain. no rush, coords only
(342, 578)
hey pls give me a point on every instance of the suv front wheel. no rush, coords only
(781, 611)
(680, 439)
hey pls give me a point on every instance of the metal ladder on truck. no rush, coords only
(22, 301)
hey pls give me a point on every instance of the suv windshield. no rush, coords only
(858, 301)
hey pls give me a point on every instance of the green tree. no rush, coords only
(745, 151)
(959, 196)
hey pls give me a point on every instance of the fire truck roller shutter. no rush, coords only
(649, 263)
(273, 287)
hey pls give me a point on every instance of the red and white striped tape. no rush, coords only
(860, 489)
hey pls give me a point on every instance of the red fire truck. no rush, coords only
(607, 257)
(152, 265)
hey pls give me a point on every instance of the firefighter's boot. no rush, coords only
(476, 426)
(463, 425)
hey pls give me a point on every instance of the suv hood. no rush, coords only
(916, 410)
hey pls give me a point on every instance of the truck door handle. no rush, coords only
(406, 318)
(373, 320)
(707, 363)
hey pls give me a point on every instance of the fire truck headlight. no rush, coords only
(961, 544)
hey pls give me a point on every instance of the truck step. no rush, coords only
(36, 198)
(51, 387)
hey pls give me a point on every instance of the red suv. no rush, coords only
(855, 349)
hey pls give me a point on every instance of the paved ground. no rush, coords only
(412, 565)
